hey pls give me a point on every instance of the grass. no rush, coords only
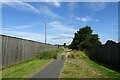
(25, 70)
(82, 67)
(49, 54)
(28, 69)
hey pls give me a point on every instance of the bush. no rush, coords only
(73, 55)
(77, 54)
(49, 54)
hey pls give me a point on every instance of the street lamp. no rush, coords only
(45, 31)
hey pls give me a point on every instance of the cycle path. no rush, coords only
(52, 70)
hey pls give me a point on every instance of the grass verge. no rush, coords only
(25, 70)
(29, 68)
(82, 67)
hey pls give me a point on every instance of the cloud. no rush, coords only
(86, 19)
(64, 0)
(60, 27)
(63, 36)
(57, 4)
(22, 6)
(23, 34)
(18, 27)
(52, 39)
(23, 27)
(60, 31)
(26, 35)
(46, 11)
(72, 5)
(41, 10)
(96, 6)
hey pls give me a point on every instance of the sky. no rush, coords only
(27, 20)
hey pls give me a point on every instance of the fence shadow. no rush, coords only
(117, 69)
(107, 55)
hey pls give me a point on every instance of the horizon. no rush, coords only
(63, 20)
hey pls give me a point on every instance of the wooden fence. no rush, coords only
(16, 50)
(108, 54)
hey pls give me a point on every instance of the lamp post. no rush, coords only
(45, 32)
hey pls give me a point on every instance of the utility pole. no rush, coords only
(45, 32)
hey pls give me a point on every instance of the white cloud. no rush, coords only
(57, 4)
(22, 6)
(72, 5)
(23, 34)
(46, 11)
(63, 33)
(27, 35)
(86, 19)
(60, 27)
(17, 28)
(63, 36)
(64, 0)
(96, 6)
(23, 26)
(60, 31)
(37, 36)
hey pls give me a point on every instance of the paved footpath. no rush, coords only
(52, 70)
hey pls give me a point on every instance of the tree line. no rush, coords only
(84, 38)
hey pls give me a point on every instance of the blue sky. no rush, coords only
(27, 20)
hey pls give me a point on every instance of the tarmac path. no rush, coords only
(52, 70)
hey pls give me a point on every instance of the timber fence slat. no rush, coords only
(108, 54)
(16, 50)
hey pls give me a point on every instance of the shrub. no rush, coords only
(77, 54)
(49, 54)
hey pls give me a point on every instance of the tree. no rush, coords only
(95, 39)
(64, 45)
(119, 42)
(110, 42)
(84, 38)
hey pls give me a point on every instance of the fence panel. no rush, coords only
(108, 54)
(16, 50)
